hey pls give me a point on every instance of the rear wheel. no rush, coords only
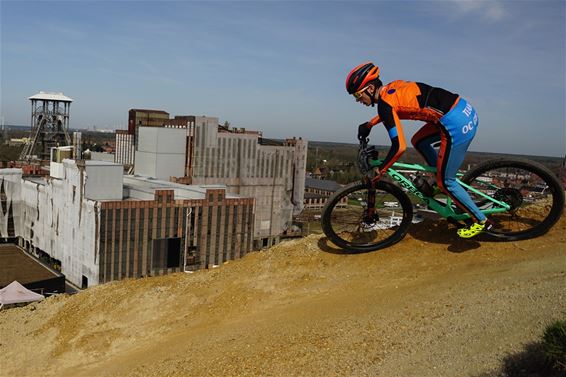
(534, 194)
(346, 222)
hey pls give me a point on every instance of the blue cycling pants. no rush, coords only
(455, 132)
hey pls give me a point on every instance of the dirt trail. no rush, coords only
(431, 305)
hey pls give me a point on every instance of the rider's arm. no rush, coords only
(395, 130)
(365, 128)
(373, 121)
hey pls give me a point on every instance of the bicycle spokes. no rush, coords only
(533, 197)
(362, 219)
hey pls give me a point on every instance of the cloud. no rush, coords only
(489, 10)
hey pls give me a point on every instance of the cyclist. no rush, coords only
(449, 118)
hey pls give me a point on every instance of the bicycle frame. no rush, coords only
(444, 210)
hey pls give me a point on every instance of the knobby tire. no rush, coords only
(522, 221)
(341, 223)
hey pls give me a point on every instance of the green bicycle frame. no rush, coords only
(444, 210)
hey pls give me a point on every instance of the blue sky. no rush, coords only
(280, 67)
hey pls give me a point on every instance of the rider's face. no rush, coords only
(366, 96)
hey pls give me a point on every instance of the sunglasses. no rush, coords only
(359, 93)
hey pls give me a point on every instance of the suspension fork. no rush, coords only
(370, 210)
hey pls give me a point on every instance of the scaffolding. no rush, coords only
(49, 125)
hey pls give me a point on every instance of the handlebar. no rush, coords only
(365, 153)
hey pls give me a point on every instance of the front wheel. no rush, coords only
(533, 193)
(346, 222)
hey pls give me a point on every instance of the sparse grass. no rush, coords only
(554, 345)
(546, 357)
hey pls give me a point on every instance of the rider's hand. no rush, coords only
(363, 131)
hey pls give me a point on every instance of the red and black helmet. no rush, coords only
(361, 76)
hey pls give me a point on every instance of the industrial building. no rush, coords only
(273, 174)
(200, 195)
(125, 149)
(317, 192)
(99, 225)
(196, 150)
(49, 125)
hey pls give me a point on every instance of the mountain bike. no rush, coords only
(521, 198)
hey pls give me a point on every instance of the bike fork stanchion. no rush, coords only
(370, 212)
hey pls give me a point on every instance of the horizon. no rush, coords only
(280, 67)
(353, 144)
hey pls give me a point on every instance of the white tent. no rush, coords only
(15, 293)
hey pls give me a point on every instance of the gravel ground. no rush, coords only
(432, 305)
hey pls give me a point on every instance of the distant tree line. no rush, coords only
(337, 161)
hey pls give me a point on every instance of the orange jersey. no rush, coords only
(409, 100)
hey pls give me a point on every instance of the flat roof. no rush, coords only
(143, 188)
(322, 184)
(150, 111)
(101, 163)
(51, 96)
(16, 264)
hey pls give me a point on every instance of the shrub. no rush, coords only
(554, 344)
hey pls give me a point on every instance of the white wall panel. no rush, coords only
(54, 216)
(104, 181)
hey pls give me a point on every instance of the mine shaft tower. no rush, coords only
(49, 125)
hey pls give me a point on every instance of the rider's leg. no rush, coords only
(458, 128)
(450, 159)
(423, 141)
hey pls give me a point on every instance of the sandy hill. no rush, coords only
(431, 305)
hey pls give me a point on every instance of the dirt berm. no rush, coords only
(432, 305)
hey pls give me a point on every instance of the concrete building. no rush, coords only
(160, 152)
(101, 156)
(272, 173)
(269, 171)
(145, 118)
(101, 226)
(125, 148)
(317, 192)
(78, 145)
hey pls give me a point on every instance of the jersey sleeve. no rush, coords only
(394, 128)
(374, 121)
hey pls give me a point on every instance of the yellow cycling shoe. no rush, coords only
(472, 230)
